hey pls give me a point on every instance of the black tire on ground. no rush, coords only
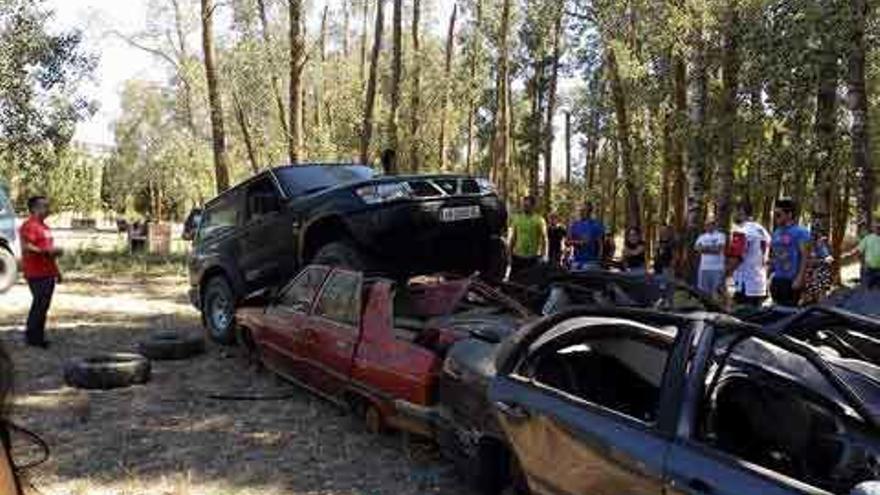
(171, 346)
(8, 269)
(218, 310)
(343, 254)
(106, 371)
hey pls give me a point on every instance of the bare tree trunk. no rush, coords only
(825, 123)
(297, 55)
(729, 77)
(363, 66)
(472, 104)
(273, 73)
(346, 28)
(697, 163)
(568, 147)
(396, 74)
(536, 128)
(221, 167)
(679, 90)
(501, 155)
(447, 74)
(633, 214)
(319, 97)
(416, 103)
(551, 112)
(245, 133)
(369, 106)
(860, 130)
(185, 82)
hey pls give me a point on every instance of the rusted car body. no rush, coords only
(368, 342)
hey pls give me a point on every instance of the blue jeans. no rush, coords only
(41, 290)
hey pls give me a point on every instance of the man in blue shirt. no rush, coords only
(789, 251)
(587, 236)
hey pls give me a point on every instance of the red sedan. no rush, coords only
(368, 342)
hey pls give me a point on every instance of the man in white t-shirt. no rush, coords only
(710, 245)
(749, 248)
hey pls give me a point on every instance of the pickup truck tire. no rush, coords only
(106, 371)
(218, 310)
(171, 346)
(343, 254)
(8, 269)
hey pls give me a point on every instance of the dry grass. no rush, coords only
(166, 437)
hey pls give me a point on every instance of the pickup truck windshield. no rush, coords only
(299, 180)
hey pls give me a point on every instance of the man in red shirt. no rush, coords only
(39, 267)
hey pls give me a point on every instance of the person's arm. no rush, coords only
(544, 242)
(600, 241)
(804, 248)
(512, 240)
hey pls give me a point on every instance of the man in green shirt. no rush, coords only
(869, 250)
(529, 237)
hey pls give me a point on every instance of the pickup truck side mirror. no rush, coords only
(866, 488)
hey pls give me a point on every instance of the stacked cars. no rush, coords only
(594, 383)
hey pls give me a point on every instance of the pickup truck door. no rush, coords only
(333, 331)
(266, 251)
(587, 423)
(282, 340)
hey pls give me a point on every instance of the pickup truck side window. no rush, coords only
(619, 372)
(340, 299)
(221, 216)
(300, 293)
(262, 198)
(813, 438)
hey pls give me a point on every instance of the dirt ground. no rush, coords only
(167, 437)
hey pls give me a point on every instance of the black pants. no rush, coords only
(783, 293)
(872, 278)
(42, 290)
(520, 263)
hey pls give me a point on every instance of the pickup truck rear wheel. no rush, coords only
(218, 311)
(8, 269)
(343, 254)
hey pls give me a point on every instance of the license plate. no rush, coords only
(459, 213)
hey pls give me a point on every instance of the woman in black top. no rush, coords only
(556, 234)
(634, 251)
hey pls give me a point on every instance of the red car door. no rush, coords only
(333, 331)
(282, 339)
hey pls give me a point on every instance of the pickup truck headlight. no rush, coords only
(384, 193)
(486, 186)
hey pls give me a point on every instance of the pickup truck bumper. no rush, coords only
(416, 236)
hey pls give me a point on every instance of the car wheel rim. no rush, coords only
(220, 316)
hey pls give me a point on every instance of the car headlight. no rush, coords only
(486, 186)
(384, 193)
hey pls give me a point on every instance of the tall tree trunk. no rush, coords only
(221, 167)
(273, 73)
(568, 147)
(369, 106)
(396, 74)
(447, 74)
(679, 97)
(618, 94)
(363, 65)
(472, 103)
(245, 133)
(729, 78)
(297, 55)
(346, 30)
(551, 113)
(416, 102)
(185, 81)
(825, 122)
(860, 131)
(319, 87)
(536, 128)
(501, 153)
(697, 156)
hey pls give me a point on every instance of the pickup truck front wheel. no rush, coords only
(218, 311)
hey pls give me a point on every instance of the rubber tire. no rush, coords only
(341, 254)
(8, 269)
(107, 371)
(218, 286)
(169, 346)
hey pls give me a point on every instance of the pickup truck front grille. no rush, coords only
(433, 188)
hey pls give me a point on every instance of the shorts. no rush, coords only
(744, 300)
(710, 281)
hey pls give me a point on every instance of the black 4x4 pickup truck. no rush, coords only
(258, 234)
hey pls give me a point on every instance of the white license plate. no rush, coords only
(459, 213)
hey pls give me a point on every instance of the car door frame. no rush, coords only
(264, 258)
(686, 451)
(329, 340)
(662, 430)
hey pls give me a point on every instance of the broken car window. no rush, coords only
(298, 296)
(340, 301)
